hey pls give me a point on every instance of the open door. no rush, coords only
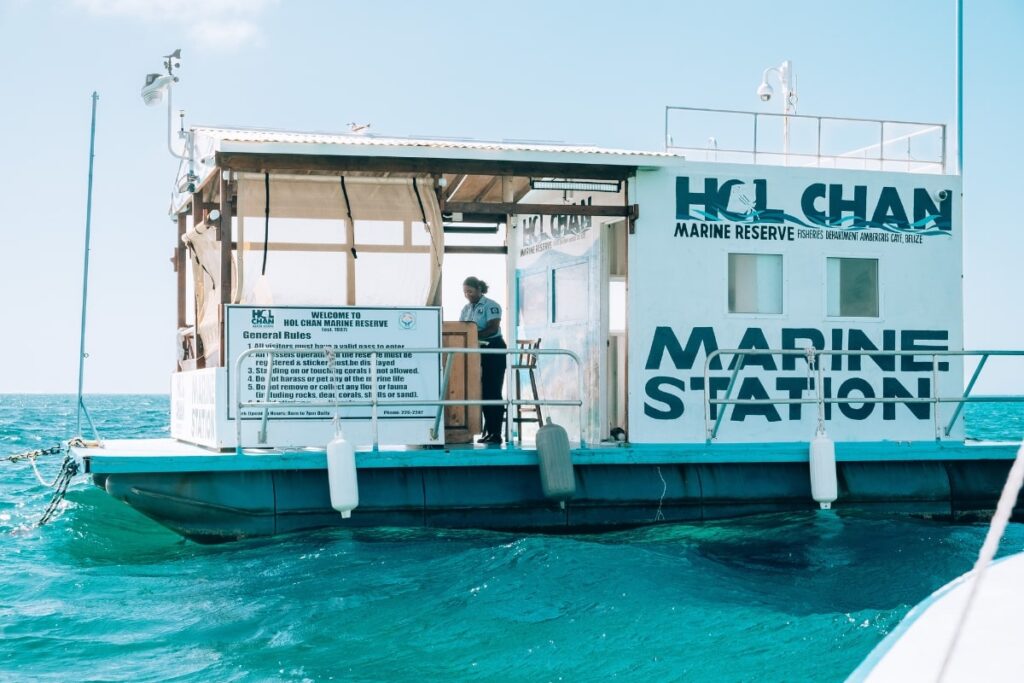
(614, 295)
(562, 288)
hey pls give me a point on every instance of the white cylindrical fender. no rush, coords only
(341, 476)
(824, 482)
(557, 478)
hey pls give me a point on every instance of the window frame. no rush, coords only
(784, 284)
(879, 299)
(553, 299)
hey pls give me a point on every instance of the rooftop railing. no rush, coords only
(813, 358)
(730, 136)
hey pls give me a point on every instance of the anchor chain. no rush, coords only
(60, 483)
(68, 470)
(32, 455)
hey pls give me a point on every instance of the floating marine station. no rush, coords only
(724, 327)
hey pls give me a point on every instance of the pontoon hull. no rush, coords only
(219, 506)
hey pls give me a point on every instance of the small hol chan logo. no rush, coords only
(262, 317)
(407, 320)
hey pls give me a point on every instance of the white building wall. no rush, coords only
(678, 283)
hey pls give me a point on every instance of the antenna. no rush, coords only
(82, 355)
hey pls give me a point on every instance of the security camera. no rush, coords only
(942, 195)
(765, 92)
(187, 183)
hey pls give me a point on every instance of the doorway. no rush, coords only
(613, 323)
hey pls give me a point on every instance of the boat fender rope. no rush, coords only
(658, 516)
(812, 358)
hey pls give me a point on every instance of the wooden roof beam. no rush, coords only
(486, 188)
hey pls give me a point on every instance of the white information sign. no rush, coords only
(307, 377)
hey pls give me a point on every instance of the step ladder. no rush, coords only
(524, 360)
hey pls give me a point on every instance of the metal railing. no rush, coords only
(890, 145)
(813, 357)
(374, 402)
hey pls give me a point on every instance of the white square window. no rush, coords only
(569, 293)
(755, 283)
(533, 299)
(852, 285)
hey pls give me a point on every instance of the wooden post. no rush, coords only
(439, 191)
(506, 189)
(180, 268)
(197, 217)
(224, 235)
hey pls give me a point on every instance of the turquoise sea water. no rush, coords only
(102, 593)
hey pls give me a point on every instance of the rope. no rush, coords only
(39, 477)
(811, 354)
(1004, 510)
(658, 516)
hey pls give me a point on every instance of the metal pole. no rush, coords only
(373, 400)
(728, 392)
(785, 75)
(85, 271)
(755, 137)
(436, 430)
(262, 437)
(967, 392)
(819, 142)
(821, 390)
(960, 87)
(881, 147)
(584, 407)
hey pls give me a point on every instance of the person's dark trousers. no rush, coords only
(492, 369)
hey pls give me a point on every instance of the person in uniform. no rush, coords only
(486, 313)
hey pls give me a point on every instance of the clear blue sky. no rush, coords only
(591, 71)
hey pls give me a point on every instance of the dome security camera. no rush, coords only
(942, 195)
(765, 92)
